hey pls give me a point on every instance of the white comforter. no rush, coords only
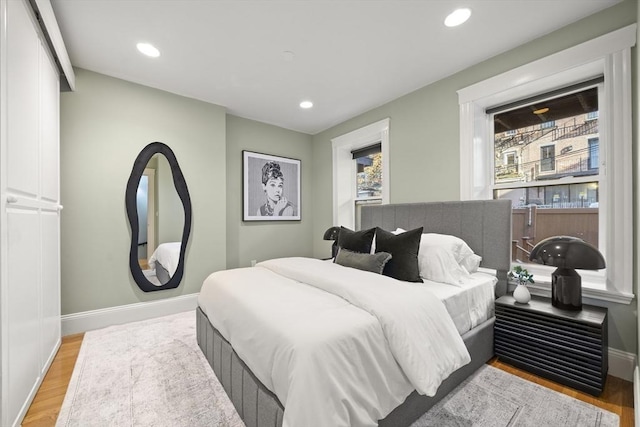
(338, 346)
(168, 255)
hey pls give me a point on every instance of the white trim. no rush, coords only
(621, 364)
(618, 174)
(548, 182)
(56, 44)
(344, 189)
(608, 55)
(589, 295)
(579, 55)
(96, 319)
(151, 211)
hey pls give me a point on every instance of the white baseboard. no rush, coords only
(621, 364)
(96, 319)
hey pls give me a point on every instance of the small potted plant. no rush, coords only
(521, 293)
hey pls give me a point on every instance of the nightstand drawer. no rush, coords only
(569, 347)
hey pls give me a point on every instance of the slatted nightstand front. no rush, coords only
(570, 347)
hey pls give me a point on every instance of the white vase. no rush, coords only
(521, 294)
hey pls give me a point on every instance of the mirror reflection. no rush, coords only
(160, 221)
(159, 212)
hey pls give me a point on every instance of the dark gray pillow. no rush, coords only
(356, 241)
(404, 251)
(367, 262)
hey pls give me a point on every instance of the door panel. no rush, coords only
(22, 111)
(50, 284)
(49, 129)
(23, 271)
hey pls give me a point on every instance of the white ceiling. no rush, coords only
(349, 55)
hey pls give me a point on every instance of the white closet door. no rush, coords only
(23, 232)
(30, 243)
(49, 212)
(50, 287)
(23, 57)
(49, 128)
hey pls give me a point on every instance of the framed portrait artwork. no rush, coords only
(271, 187)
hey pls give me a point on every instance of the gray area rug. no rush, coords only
(149, 373)
(152, 373)
(492, 398)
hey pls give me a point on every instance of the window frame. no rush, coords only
(344, 169)
(608, 55)
(546, 149)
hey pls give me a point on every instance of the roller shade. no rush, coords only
(367, 151)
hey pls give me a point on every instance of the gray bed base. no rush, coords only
(259, 407)
(484, 225)
(162, 273)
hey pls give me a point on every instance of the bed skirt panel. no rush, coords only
(259, 407)
(256, 405)
(162, 273)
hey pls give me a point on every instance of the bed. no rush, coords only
(164, 261)
(484, 225)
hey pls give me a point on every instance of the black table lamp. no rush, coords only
(332, 234)
(567, 253)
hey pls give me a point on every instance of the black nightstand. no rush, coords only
(570, 347)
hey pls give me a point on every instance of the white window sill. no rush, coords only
(590, 291)
(593, 284)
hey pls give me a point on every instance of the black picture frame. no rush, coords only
(277, 199)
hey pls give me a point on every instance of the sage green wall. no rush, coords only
(424, 139)
(248, 241)
(104, 125)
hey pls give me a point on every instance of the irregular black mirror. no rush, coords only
(131, 201)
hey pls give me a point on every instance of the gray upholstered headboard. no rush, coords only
(484, 224)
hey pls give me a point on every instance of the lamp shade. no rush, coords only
(568, 252)
(331, 233)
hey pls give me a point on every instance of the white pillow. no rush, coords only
(471, 263)
(438, 264)
(461, 251)
(396, 232)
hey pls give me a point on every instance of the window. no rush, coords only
(577, 184)
(547, 189)
(368, 172)
(547, 158)
(510, 158)
(594, 153)
(360, 171)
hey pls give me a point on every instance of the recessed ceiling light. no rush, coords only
(541, 110)
(457, 17)
(148, 49)
(306, 104)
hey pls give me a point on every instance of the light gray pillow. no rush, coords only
(367, 262)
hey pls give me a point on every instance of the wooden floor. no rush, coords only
(617, 396)
(46, 405)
